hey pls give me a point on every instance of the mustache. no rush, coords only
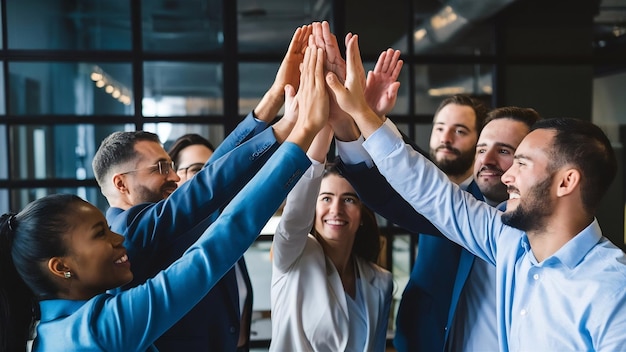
(512, 189)
(491, 168)
(169, 185)
(448, 148)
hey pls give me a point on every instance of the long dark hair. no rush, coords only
(28, 239)
(367, 240)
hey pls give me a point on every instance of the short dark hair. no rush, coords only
(27, 239)
(527, 116)
(185, 141)
(367, 240)
(116, 149)
(480, 109)
(586, 147)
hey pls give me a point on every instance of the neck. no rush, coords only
(458, 179)
(556, 233)
(341, 257)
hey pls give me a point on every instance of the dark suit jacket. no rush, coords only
(159, 233)
(440, 271)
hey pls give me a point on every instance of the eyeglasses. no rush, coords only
(162, 167)
(190, 170)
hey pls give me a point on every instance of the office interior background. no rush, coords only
(73, 71)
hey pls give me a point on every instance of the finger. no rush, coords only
(347, 39)
(319, 67)
(396, 70)
(334, 84)
(379, 63)
(354, 63)
(388, 60)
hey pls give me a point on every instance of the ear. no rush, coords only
(119, 183)
(569, 180)
(57, 267)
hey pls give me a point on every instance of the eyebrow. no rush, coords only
(522, 156)
(455, 125)
(350, 194)
(498, 144)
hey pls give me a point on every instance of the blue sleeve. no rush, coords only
(149, 229)
(378, 195)
(246, 129)
(137, 317)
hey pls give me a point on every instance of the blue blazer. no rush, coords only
(133, 319)
(431, 296)
(157, 234)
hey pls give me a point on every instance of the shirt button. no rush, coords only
(523, 312)
(536, 276)
(232, 329)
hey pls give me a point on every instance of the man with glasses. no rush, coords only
(136, 176)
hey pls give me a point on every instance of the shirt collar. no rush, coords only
(58, 308)
(574, 250)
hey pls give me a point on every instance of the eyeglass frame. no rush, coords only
(186, 169)
(163, 167)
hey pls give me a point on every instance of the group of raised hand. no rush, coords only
(324, 92)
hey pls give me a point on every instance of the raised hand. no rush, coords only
(350, 96)
(283, 127)
(288, 74)
(289, 70)
(312, 99)
(381, 88)
(325, 39)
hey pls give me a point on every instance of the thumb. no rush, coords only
(392, 91)
(334, 84)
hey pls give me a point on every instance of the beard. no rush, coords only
(147, 195)
(533, 209)
(453, 167)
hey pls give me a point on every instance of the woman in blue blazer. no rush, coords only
(58, 256)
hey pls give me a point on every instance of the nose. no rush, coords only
(172, 175)
(117, 240)
(488, 157)
(507, 177)
(447, 136)
(335, 207)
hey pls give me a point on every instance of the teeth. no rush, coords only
(513, 196)
(123, 259)
(335, 222)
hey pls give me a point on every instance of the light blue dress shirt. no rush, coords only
(575, 300)
(133, 319)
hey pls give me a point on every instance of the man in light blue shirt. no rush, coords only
(560, 283)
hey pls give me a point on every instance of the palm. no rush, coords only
(381, 88)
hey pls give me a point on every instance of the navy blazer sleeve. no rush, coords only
(134, 319)
(152, 228)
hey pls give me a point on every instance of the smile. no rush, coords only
(123, 259)
(335, 222)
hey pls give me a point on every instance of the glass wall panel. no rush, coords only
(4, 156)
(448, 30)
(69, 25)
(267, 26)
(70, 88)
(21, 197)
(260, 270)
(254, 80)
(182, 89)
(182, 25)
(2, 92)
(433, 83)
(4, 202)
(56, 151)
(169, 132)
